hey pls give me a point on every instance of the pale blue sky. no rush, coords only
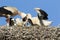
(52, 7)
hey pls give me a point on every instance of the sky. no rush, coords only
(51, 7)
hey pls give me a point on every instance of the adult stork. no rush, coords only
(8, 11)
(42, 15)
(35, 21)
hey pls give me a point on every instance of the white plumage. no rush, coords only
(46, 22)
(35, 20)
(19, 22)
(22, 14)
(12, 9)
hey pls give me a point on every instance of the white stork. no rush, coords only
(8, 11)
(36, 21)
(42, 15)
